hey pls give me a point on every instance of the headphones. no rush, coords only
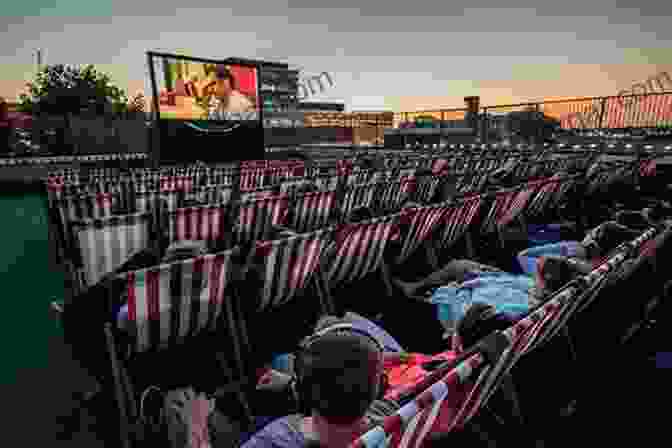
(301, 389)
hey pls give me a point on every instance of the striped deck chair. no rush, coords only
(77, 208)
(391, 195)
(206, 222)
(292, 187)
(359, 250)
(252, 178)
(258, 193)
(168, 303)
(357, 196)
(562, 192)
(357, 178)
(211, 194)
(426, 189)
(326, 182)
(647, 168)
(542, 198)
(187, 303)
(288, 265)
(149, 201)
(421, 223)
(458, 219)
(453, 401)
(176, 183)
(517, 204)
(257, 218)
(311, 211)
(104, 245)
(497, 209)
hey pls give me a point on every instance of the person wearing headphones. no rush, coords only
(338, 385)
(345, 380)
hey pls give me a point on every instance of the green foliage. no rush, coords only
(63, 89)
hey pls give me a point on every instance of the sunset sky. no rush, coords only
(390, 55)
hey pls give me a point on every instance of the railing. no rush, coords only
(650, 110)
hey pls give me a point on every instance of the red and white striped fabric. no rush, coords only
(517, 203)
(252, 178)
(176, 183)
(497, 210)
(197, 223)
(358, 196)
(311, 211)
(359, 249)
(106, 244)
(287, 265)
(647, 168)
(256, 218)
(420, 224)
(458, 219)
(171, 302)
(456, 398)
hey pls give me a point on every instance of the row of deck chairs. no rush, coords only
(453, 395)
(288, 266)
(76, 215)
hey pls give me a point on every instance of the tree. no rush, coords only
(65, 91)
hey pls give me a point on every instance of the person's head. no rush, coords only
(478, 322)
(554, 272)
(224, 82)
(339, 372)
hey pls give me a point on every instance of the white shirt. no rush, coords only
(238, 104)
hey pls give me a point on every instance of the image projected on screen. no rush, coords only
(191, 90)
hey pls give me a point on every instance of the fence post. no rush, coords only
(603, 106)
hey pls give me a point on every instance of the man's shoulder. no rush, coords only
(280, 433)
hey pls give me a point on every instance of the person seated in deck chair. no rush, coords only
(346, 375)
(462, 282)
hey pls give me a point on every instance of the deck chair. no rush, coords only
(541, 200)
(450, 402)
(206, 222)
(357, 196)
(258, 193)
(391, 195)
(255, 219)
(79, 207)
(462, 213)
(283, 292)
(311, 211)
(210, 194)
(104, 245)
(172, 311)
(358, 251)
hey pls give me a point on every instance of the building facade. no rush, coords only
(278, 84)
(306, 106)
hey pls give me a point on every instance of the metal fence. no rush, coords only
(651, 110)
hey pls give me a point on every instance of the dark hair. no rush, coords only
(337, 375)
(478, 322)
(558, 271)
(222, 72)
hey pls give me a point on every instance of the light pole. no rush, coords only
(38, 55)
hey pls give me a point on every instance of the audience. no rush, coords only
(345, 379)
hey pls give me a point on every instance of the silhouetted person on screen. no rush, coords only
(225, 98)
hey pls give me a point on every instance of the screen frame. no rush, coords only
(152, 56)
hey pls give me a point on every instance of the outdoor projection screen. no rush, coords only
(205, 109)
